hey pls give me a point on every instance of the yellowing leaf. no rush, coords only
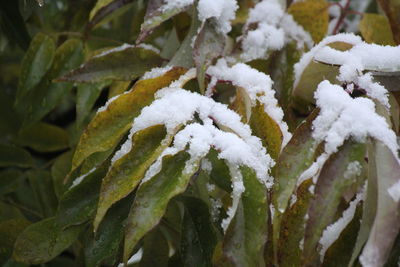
(107, 127)
(313, 16)
(375, 28)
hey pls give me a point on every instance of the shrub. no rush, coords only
(231, 133)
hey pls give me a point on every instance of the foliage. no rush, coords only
(199, 133)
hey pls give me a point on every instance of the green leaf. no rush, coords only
(153, 196)
(41, 242)
(9, 231)
(86, 97)
(14, 156)
(109, 235)
(8, 212)
(47, 94)
(120, 64)
(127, 172)
(246, 235)
(79, 203)
(313, 16)
(43, 137)
(42, 185)
(198, 234)
(387, 220)
(59, 171)
(155, 249)
(209, 45)
(107, 127)
(336, 177)
(35, 64)
(10, 179)
(292, 228)
(155, 16)
(375, 28)
(99, 4)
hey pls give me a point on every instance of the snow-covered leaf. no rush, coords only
(109, 125)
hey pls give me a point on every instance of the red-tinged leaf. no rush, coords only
(107, 127)
(289, 248)
(296, 157)
(387, 220)
(125, 63)
(153, 196)
(209, 45)
(341, 171)
(246, 235)
(127, 172)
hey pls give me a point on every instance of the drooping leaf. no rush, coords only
(155, 15)
(155, 249)
(387, 220)
(99, 4)
(11, 155)
(126, 63)
(340, 251)
(108, 238)
(292, 228)
(153, 196)
(339, 172)
(313, 16)
(79, 203)
(209, 45)
(375, 28)
(198, 234)
(107, 127)
(126, 173)
(42, 184)
(40, 242)
(9, 231)
(43, 137)
(47, 94)
(246, 235)
(264, 127)
(35, 64)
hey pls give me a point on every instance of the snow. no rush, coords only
(149, 47)
(222, 11)
(353, 169)
(333, 231)
(175, 4)
(79, 179)
(257, 85)
(394, 191)
(156, 72)
(206, 165)
(109, 101)
(342, 117)
(274, 29)
(115, 49)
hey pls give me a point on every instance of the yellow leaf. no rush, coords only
(313, 16)
(375, 28)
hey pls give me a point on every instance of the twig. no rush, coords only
(342, 16)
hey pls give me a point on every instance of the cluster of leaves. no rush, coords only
(77, 189)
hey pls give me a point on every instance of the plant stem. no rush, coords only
(343, 13)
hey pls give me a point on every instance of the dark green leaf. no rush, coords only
(59, 171)
(43, 137)
(10, 179)
(41, 242)
(121, 64)
(9, 231)
(153, 196)
(247, 233)
(155, 249)
(14, 156)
